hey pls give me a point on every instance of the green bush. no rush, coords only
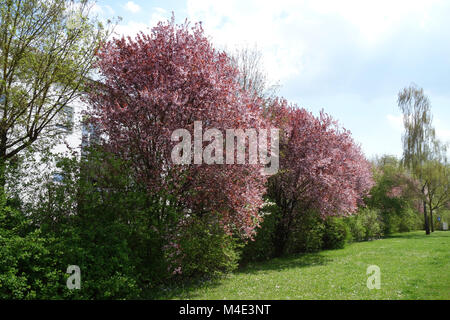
(336, 233)
(409, 220)
(403, 220)
(97, 218)
(356, 228)
(126, 241)
(262, 247)
(201, 248)
(28, 267)
(306, 236)
(366, 224)
(394, 211)
(307, 233)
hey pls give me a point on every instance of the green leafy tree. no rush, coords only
(437, 179)
(47, 54)
(421, 149)
(394, 197)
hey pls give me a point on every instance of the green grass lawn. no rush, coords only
(413, 266)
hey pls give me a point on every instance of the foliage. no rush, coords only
(97, 217)
(262, 246)
(394, 198)
(251, 76)
(437, 180)
(423, 154)
(336, 233)
(155, 84)
(47, 53)
(202, 248)
(321, 168)
(365, 225)
(28, 268)
(419, 136)
(409, 221)
(90, 223)
(307, 233)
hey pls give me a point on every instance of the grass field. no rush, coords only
(413, 266)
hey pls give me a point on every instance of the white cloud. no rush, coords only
(159, 14)
(300, 38)
(132, 7)
(325, 49)
(131, 28)
(442, 130)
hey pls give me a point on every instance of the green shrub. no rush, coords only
(372, 223)
(307, 233)
(366, 224)
(403, 220)
(356, 228)
(28, 267)
(101, 221)
(394, 211)
(336, 233)
(262, 247)
(201, 247)
(409, 220)
(97, 216)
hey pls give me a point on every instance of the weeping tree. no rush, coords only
(47, 54)
(422, 151)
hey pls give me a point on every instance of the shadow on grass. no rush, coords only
(419, 235)
(287, 262)
(187, 289)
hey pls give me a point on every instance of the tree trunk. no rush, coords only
(427, 222)
(282, 232)
(2, 177)
(431, 220)
(3, 150)
(280, 240)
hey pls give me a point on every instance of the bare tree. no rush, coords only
(252, 77)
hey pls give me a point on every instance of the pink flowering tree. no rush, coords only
(164, 81)
(321, 168)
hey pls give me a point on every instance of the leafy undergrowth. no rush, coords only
(413, 266)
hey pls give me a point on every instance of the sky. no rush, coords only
(348, 57)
